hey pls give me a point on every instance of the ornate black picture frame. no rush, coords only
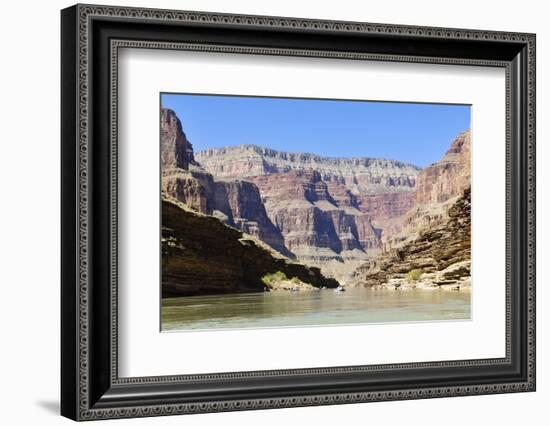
(91, 388)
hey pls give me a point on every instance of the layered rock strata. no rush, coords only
(438, 187)
(448, 177)
(175, 150)
(440, 257)
(235, 202)
(334, 213)
(314, 227)
(357, 175)
(201, 255)
(331, 211)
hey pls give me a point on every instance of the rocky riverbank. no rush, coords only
(201, 255)
(439, 258)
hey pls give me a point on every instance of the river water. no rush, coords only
(310, 308)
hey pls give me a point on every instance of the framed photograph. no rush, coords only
(263, 212)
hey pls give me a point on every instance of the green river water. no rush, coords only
(312, 308)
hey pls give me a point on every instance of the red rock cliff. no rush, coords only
(448, 177)
(234, 202)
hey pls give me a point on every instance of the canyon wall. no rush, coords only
(448, 177)
(439, 257)
(337, 214)
(438, 186)
(434, 239)
(175, 150)
(235, 202)
(358, 175)
(315, 228)
(331, 211)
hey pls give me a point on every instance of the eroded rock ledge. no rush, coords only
(440, 257)
(201, 255)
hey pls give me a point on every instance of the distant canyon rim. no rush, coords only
(348, 217)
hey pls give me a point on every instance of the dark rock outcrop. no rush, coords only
(201, 255)
(441, 253)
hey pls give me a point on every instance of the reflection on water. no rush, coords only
(307, 308)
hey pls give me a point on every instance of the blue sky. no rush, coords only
(415, 133)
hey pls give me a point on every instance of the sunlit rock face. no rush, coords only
(358, 175)
(448, 177)
(333, 213)
(434, 240)
(437, 187)
(175, 150)
(235, 202)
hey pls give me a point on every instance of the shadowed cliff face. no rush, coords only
(201, 255)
